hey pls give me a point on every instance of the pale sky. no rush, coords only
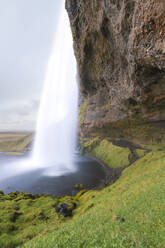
(27, 31)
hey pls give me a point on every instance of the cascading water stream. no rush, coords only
(55, 138)
(56, 125)
(53, 155)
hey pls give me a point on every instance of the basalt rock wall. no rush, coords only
(120, 51)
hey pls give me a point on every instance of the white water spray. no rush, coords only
(55, 139)
(56, 126)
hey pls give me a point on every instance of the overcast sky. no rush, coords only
(27, 30)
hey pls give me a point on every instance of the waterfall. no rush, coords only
(56, 124)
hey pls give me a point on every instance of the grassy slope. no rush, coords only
(129, 213)
(105, 151)
(115, 156)
(22, 218)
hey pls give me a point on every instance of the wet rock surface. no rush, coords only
(120, 50)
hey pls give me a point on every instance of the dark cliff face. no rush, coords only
(120, 50)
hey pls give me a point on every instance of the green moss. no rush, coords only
(137, 130)
(79, 194)
(114, 156)
(141, 153)
(23, 217)
(105, 106)
(79, 186)
(129, 213)
(141, 131)
(7, 227)
(70, 201)
(89, 145)
(117, 215)
(82, 112)
(35, 214)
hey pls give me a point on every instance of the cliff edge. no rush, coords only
(120, 50)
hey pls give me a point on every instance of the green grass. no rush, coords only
(114, 156)
(127, 214)
(130, 213)
(140, 152)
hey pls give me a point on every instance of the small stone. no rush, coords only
(64, 210)
(78, 186)
(121, 219)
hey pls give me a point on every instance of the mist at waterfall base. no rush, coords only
(56, 127)
(53, 161)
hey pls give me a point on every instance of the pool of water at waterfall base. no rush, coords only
(88, 172)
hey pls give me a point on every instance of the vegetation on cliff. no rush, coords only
(129, 213)
(120, 51)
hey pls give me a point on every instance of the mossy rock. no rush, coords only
(89, 145)
(35, 214)
(82, 112)
(70, 201)
(14, 215)
(141, 153)
(66, 206)
(114, 156)
(24, 196)
(78, 186)
(13, 195)
(24, 216)
(7, 227)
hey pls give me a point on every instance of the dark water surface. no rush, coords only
(89, 173)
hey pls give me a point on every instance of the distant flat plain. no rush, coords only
(15, 141)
